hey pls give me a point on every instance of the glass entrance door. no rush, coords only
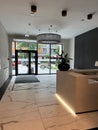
(48, 57)
(26, 62)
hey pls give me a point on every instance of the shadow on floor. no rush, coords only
(4, 87)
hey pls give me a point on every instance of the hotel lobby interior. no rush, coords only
(55, 99)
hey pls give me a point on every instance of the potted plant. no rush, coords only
(63, 64)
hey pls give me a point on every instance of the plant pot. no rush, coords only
(63, 66)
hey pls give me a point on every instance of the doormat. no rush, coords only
(26, 79)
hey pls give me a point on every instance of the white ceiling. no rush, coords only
(16, 16)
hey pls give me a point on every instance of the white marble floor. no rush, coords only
(34, 106)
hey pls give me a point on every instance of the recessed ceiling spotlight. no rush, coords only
(64, 13)
(26, 35)
(33, 8)
(90, 16)
(29, 24)
(82, 19)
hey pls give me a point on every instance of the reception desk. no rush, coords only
(79, 91)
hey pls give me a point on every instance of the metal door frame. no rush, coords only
(29, 61)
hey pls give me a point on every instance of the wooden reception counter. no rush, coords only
(79, 91)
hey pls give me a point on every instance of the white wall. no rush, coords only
(72, 52)
(4, 54)
(68, 47)
(66, 43)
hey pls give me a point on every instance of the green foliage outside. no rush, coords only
(28, 46)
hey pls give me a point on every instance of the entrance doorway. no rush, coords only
(26, 62)
(45, 62)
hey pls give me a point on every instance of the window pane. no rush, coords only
(26, 46)
(55, 52)
(43, 58)
(23, 59)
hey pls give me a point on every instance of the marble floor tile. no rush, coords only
(45, 99)
(58, 121)
(27, 125)
(19, 111)
(58, 128)
(82, 124)
(34, 106)
(52, 111)
(94, 116)
(26, 96)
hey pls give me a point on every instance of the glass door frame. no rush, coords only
(50, 57)
(29, 52)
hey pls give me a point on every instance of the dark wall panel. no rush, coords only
(86, 50)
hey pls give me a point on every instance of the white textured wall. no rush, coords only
(4, 54)
(71, 52)
(66, 43)
(68, 47)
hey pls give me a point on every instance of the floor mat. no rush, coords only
(26, 79)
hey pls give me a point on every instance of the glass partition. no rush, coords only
(55, 55)
(47, 59)
(48, 56)
(43, 58)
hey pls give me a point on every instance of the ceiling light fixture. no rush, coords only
(51, 38)
(27, 34)
(33, 8)
(90, 16)
(64, 13)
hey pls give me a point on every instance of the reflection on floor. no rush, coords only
(34, 106)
